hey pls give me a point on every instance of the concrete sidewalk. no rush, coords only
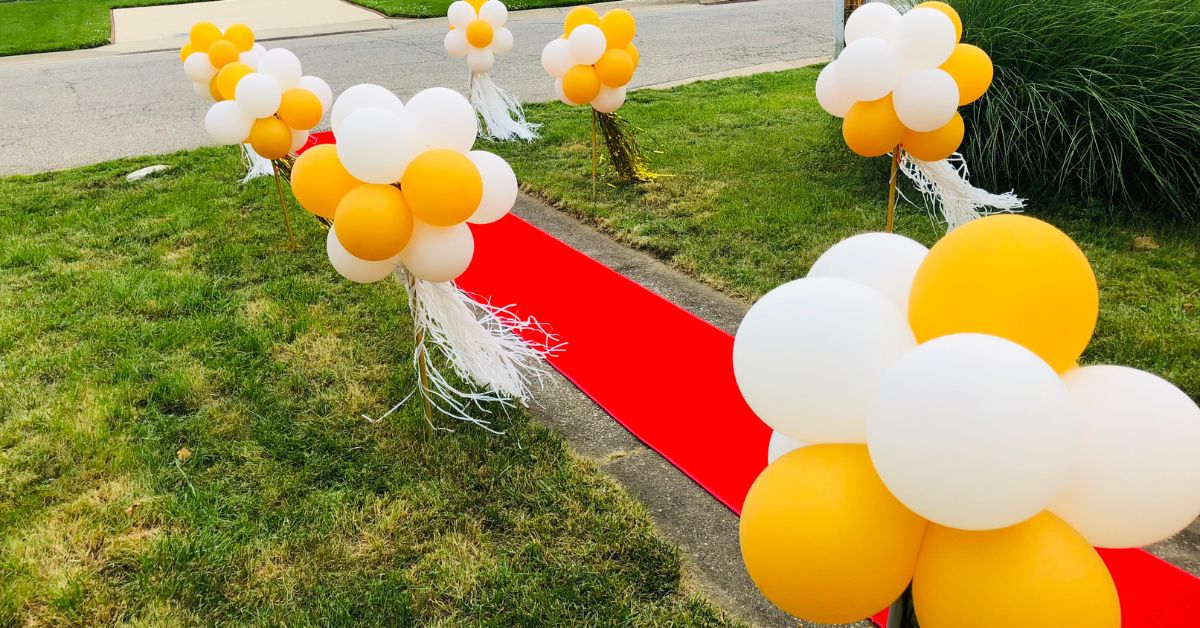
(168, 24)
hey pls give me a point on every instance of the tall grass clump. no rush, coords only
(1092, 99)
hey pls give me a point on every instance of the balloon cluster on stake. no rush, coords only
(943, 435)
(591, 63)
(398, 188)
(477, 33)
(898, 85)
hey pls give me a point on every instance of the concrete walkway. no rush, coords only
(169, 24)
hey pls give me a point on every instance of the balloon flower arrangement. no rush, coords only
(398, 190)
(947, 449)
(477, 33)
(591, 63)
(898, 86)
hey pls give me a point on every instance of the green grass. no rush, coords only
(437, 8)
(28, 26)
(762, 184)
(137, 319)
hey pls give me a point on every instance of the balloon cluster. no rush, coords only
(401, 183)
(901, 80)
(208, 50)
(945, 435)
(477, 32)
(594, 59)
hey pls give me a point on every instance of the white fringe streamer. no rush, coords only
(256, 166)
(503, 118)
(944, 185)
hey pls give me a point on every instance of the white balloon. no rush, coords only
(203, 91)
(374, 145)
(494, 12)
(299, 139)
(320, 88)
(362, 96)
(456, 43)
(924, 38)
(973, 432)
(227, 123)
(558, 91)
(198, 68)
(1137, 479)
(438, 254)
(925, 100)
(281, 64)
(609, 99)
(460, 14)
(502, 40)
(258, 94)
(556, 58)
(873, 19)
(251, 56)
(442, 118)
(809, 353)
(781, 444)
(499, 187)
(480, 60)
(829, 92)
(356, 269)
(867, 69)
(884, 262)
(587, 44)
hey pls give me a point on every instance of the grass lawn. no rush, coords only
(28, 26)
(437, 8)
(137, 319)
(763, 184)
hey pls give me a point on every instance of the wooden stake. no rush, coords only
(593, 155)
(287, 215)
(891, 210)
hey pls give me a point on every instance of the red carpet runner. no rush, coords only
(667, 376)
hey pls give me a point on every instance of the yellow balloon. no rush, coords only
(1036, 574)
(228, 77)
(1010, 276)
(633, 52)
(241, 36)
(372, 222)
(300, 109)
(442, 186)
(972, 71)
(271, 138)
(319, 181)
(203, 35)
(478, 4)
(619, 28)
(581, 84)
(871, 128)
(615, 67)
(950, 13)
(187, 50)
(222, 53)
(479, 33)
(824, 539)
(579, 16)
(214, 89)
(935, 145)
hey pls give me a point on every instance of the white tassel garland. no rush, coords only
(944, 185)
(256, 166)
(503, 118)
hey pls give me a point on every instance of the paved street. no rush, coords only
(57, 113)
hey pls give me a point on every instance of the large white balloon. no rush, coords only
(587, 44)
(375, 145)
(556, 58)
(780, 445)
(456, 43)
(353, 268)
(502, 40)
(1137, 479)
(499, 187)
(809, 353)
(830, 95)
(362, 96)
(925, 100)
(442, 118)
(973, 432)
(609, 99)
(258, 94)
(299, 139)
(481, 60)
(873, 19)
(251, 57)
(867, 69)
(924, 38)
(438, 253)
(494, 12)
(884, 262)
(227, 123)
(320, 88)
(281, 64)
(198, 68)
(460, 14)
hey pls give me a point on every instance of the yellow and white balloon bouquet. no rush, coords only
(943, 435)
(477, 33)
(898, 85)
(399, 187)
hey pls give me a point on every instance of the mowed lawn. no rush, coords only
(28, 26)
(141, 319)
(761, 184)
(437, 8)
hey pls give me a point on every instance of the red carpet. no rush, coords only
(667, 376)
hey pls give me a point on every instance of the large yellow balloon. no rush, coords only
(971, 68)
(271, 138)
(579, 16)
(214, 89)
(871, 128)
(442, 186)
(203, 35)
(615, 67)
(949, 12)
(1036, 574)
(241, 36)
(222, 53)
(619, 28)
(373, 223)
(1010, 276)
(478, 4)
(186, 51)
(935, 145)
(633, 52)
(300, 109)
(319, 181)
(824, 539)
(581, 84)
(480, 33)
(228, 77)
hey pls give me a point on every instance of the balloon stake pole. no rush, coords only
(287, 215)
(891, 208)
(593, 155)
(901, 613)
(422, 354)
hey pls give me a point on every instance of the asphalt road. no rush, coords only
(58, 113)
